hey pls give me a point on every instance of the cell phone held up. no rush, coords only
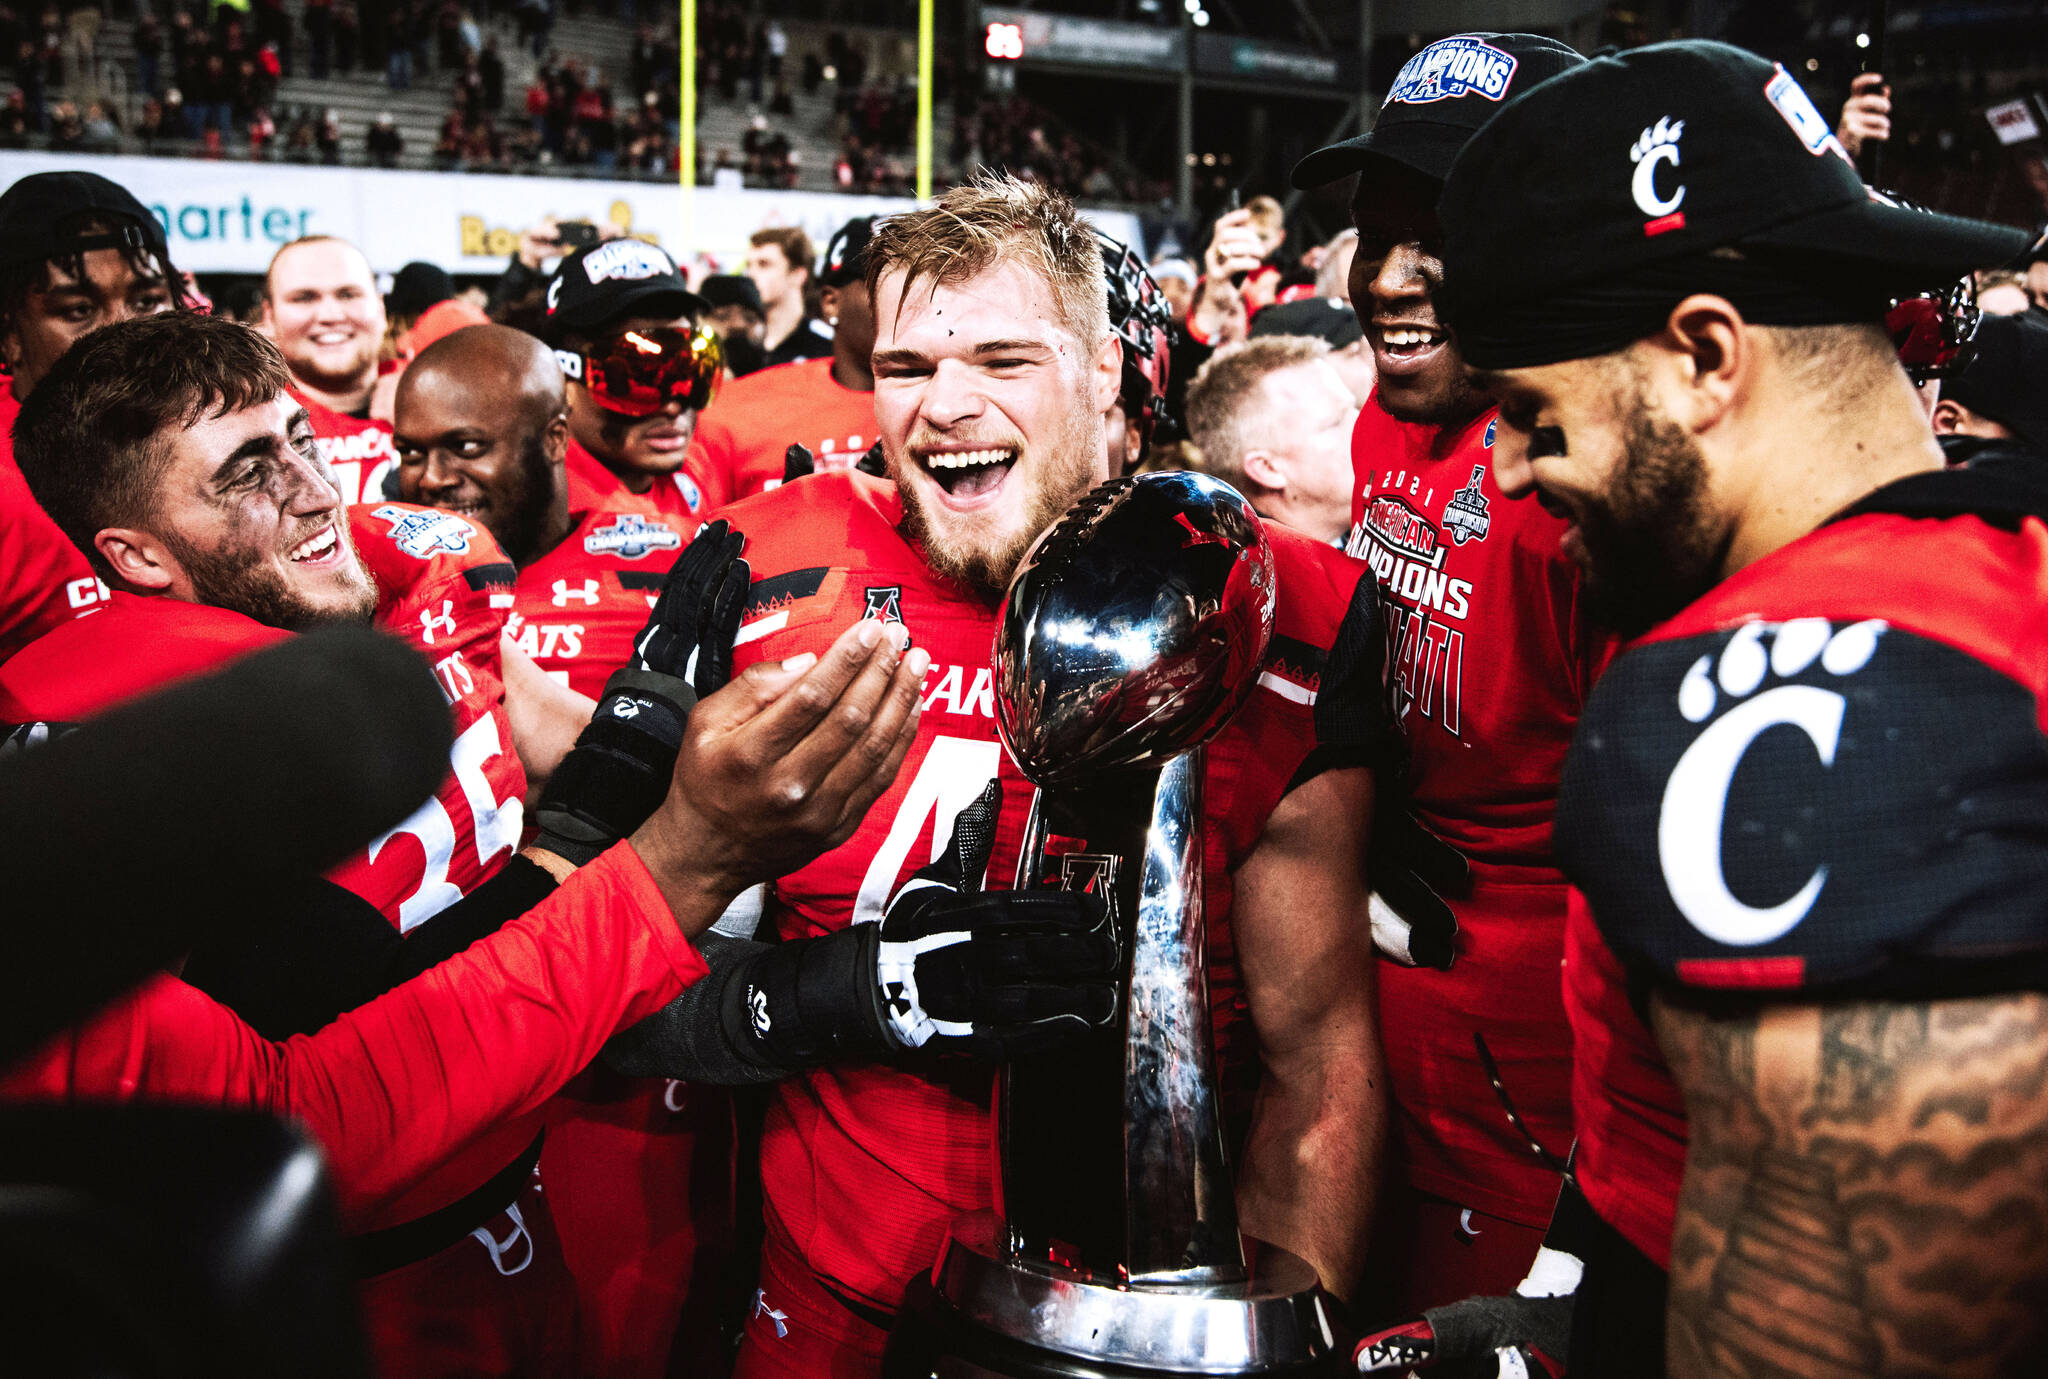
(575, 234)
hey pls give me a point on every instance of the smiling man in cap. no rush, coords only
(1793, 810)
(1491, 661)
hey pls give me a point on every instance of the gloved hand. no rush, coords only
(797, 463)
(1411, 871)
(1479, 1338)
(619, 770)
(948, 968)
(996, 973)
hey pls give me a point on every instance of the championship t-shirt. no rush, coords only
(1488, 662)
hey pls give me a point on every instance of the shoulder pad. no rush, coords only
(1811, 805)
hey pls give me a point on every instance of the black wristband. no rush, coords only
(619, 771)
(809, 1001)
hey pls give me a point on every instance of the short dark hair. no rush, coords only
(90, 437)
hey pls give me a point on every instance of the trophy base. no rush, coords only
(991, 1318)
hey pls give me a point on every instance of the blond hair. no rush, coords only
(1222, 402)
(993, 220)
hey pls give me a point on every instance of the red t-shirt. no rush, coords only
(578, 608)
(359, 452)
(865, 1166)
(1488, 661)
(747, 429)
(679, 498)
(442, 584)
(396, 1087)
(44, 579)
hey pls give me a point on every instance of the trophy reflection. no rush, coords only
(1133, 631)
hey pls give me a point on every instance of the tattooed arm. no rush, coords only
(1866, 1190)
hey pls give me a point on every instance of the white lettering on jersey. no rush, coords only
(84, 593)
(952, 776)
(979, 696)
(496, 827)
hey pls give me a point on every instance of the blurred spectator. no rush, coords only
(320, 36)
(737, 319)
(348, 36)
(2037, 276)
(1866, 115)
(779, 262)
(383, 142)
(147, 39)
(2002, 294)
(1176, 279)
(1333, 274)
(1273, 419)
(1331, 320)
(490, 66)
(2003, 394)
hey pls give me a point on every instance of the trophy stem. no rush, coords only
(1180, 1214)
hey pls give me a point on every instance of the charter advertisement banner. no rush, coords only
(230, 217)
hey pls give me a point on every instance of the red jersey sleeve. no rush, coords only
(445, 587)
(394, 1088)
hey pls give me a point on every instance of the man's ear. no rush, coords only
(555, 438)
(1710, 352)
(1948, 418)
(828, 302)
(1109, 372)
(1262, 471)
(140, 560)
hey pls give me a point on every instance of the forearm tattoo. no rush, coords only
(1866, 1190)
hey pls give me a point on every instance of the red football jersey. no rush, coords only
(44, 579)
(864, 1166)
(679, 498)
(360, 453)
(394, 1088)
(1471, 581)
(443, 583)
(578, 608)
(749, 427)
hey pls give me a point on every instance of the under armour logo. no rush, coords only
(762, 1309)
(563, 593)
(899, 1000)
(441, 623)
(757, 1004)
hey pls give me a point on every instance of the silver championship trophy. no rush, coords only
(1131, 634)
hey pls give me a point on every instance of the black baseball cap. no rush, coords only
(416, 287)
(731, 289)
(1591, 204)
(40, 215)
(615, 280)
(1329, 319)
(1441, 96)
(845, 257)
(2008, 380)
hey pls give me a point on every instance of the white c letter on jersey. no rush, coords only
(1696, 803)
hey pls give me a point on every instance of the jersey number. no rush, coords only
(496, 825)
(954, 773)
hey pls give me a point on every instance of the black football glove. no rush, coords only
(948, 968)
(1411, 871)
(797, 463)
(620, 768)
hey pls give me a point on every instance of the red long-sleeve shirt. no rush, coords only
(395, 1087)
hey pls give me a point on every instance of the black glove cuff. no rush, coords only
(809, 1001)
(619, 771)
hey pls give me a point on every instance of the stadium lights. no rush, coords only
(1201, 18)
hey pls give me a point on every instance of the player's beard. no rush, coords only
(1056, 480)
(1652, 543)
(243, 582)
(525, 521)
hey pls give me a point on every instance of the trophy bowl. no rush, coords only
(1134, 628)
